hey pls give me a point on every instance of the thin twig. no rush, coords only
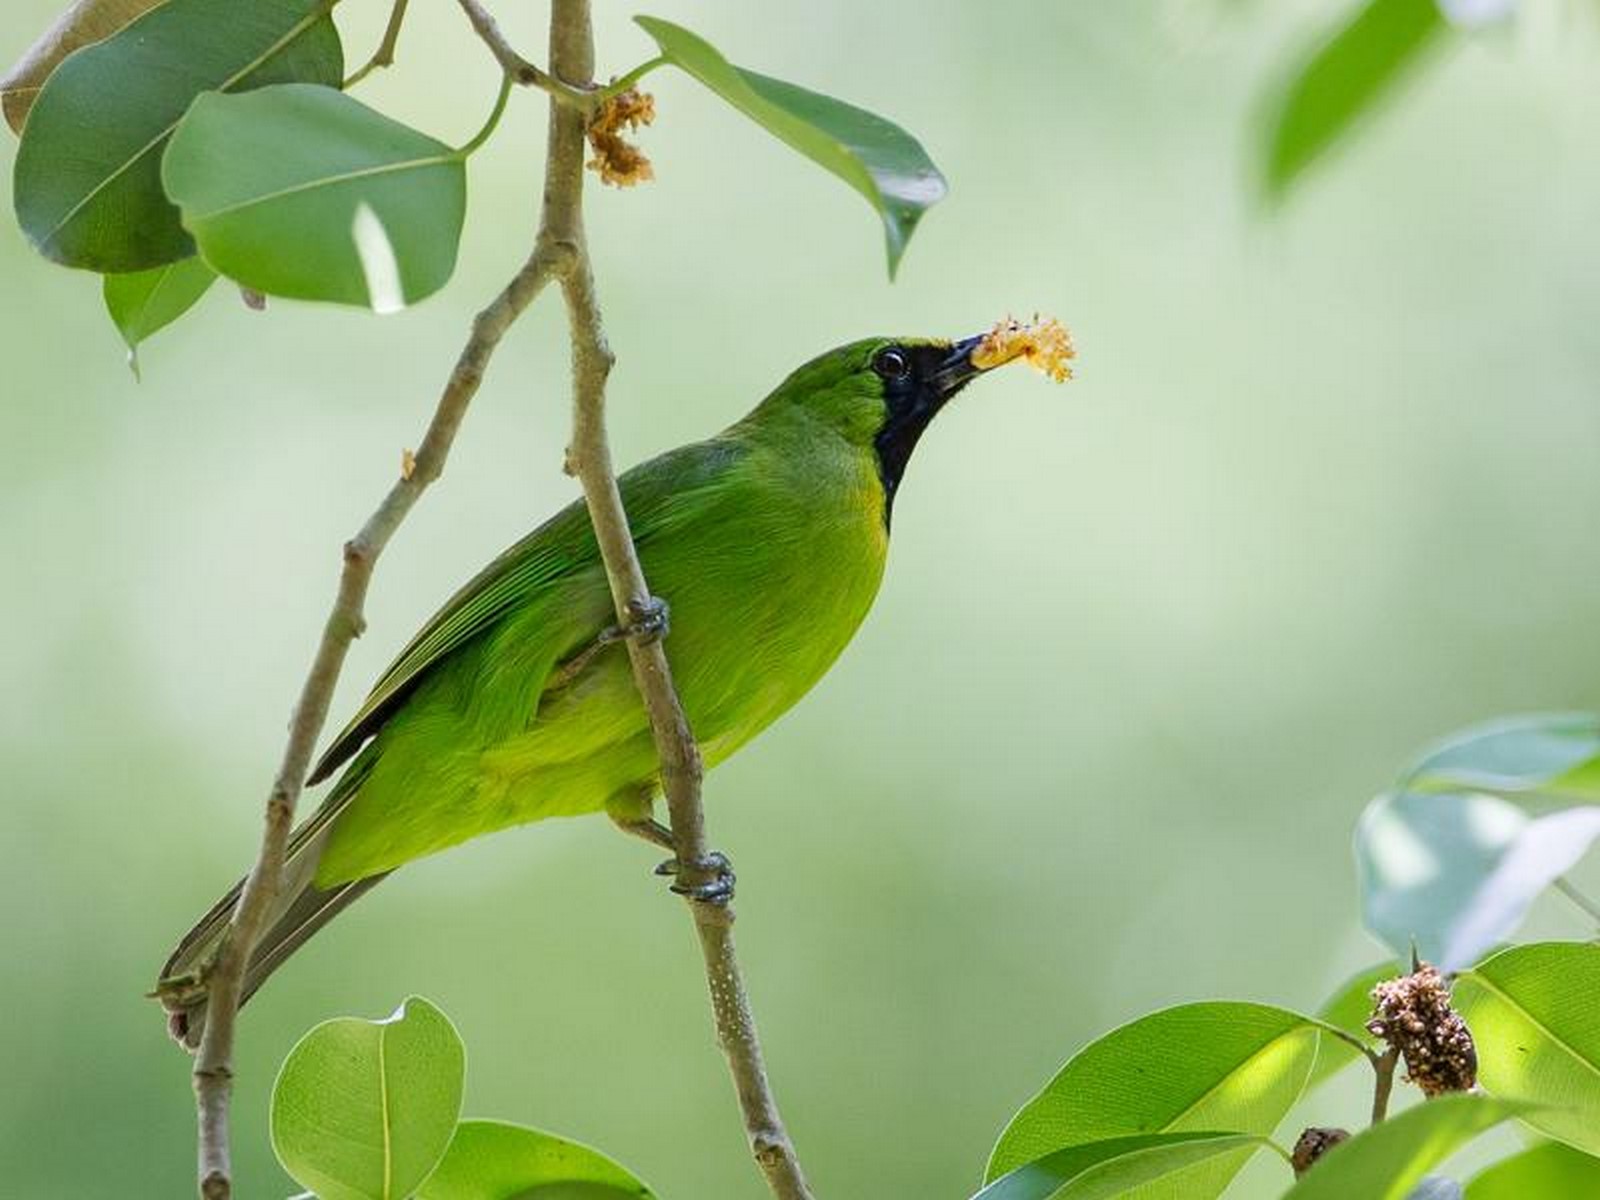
(1383, 1083)
(1568, 889)
(589, 458)
(514, 65)
(213, 1067)
(383, 56)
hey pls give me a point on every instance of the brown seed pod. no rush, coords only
(1313, 1144)
(1414, 1016)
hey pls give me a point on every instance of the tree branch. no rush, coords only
(589, 458)
(514, 65)
(213, 1067)
(383, 56)
(1383, 1067)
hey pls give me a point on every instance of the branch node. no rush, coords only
(560, 256)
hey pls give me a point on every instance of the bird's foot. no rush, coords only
(714, 874)
(649, 621)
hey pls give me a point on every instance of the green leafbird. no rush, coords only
(515, 703)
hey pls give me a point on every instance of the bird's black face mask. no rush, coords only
(918, 380)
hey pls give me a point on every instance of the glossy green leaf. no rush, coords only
(87, 184)
(1118, 1167)
(86, 22)
(874, 156)
(1387, 1160)
(1348, 1008)
(1346, 80)
(1552, 1170)
(304, 192)
(1216, 1065)
(363, 1110)
(145, 301)
(1455, 874)
(1534, 1012)
(494, 1160)
(1535, 752)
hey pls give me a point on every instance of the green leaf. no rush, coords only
(1535, 752)
(1216, 1065)
(301, 191)
(1550, 1170)
(1387, 1160)
(1120, 1166)
(1348, 1008)
(363, 1110)
(86, 22)
(494, 1160)
(87, 185)
(1456, 874)
(874, 156)
(1534, 1012)
(145, 301)
(1345, 80)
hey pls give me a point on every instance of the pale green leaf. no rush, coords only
(1345, 80)
(874, 156)
(1387, 1160)
(145, 301)
(1534, 1012)
(1534, 752)
(363, 1110)
(87, 185)
(304, 192)
(494, 1160)
(1456, 874)
(1215, 1065)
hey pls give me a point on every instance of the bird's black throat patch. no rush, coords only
(911, 401)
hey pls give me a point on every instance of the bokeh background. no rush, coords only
(1325, 488)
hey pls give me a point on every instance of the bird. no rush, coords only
(515, 703)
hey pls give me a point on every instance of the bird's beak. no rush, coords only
(956, 370)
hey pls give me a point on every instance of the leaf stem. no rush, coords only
(489, 126)
(617, 86)
(1344, 1035)
(383, 56)
(1282, 1153)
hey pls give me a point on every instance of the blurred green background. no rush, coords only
(1325, 488)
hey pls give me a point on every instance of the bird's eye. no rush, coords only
(892, 363)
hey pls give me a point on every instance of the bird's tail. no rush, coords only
(298, 911)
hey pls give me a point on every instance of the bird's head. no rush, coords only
(878, 394)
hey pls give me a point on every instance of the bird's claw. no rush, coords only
(717, 889)
(649, 621)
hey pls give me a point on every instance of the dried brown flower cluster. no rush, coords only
(1414, 1016)
(618, 161)
(1312, 1145)
(1043, 342)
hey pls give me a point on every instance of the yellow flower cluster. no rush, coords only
(1043, 341)
(618, 161)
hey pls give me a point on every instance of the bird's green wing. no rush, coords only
(657, 495)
